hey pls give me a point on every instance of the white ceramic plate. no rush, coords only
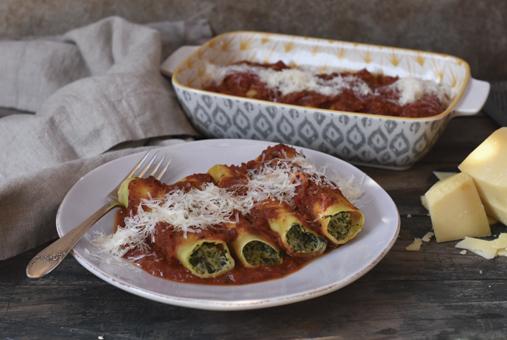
(323, 275)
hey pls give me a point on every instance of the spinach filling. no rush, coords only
(303, 241)
(258, 253)
(340, 224)
(209, 258)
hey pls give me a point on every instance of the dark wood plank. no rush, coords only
(434, 293)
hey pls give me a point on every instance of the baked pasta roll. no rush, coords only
(339, 220)
(133, 190)
(296, 238)
(228, 176)
(253, 249)
(206, 257)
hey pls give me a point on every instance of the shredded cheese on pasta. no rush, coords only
(201, 208)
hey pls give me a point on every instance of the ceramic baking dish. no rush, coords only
(365, 139)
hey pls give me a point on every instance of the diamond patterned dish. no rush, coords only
(365, 139)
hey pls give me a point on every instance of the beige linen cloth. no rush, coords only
(92, 89)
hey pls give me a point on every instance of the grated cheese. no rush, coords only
(190, 211)
(411, 89)
(293, 80)
(199, 209)
(351, 188)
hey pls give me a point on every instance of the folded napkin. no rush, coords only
(93, 89)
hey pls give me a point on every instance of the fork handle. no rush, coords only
(50, 257)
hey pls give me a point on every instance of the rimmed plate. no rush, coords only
(323, 275)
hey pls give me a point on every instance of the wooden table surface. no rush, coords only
(435, 293)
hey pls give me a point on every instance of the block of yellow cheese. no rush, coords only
(456, 210)
(487, 164)
(491, 220)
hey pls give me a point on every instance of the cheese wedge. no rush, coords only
(491, 220)
(487, 164)
(456, 210)
(497, 211)
(441, 175)
(424, 203)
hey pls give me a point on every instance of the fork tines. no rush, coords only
(156, 166)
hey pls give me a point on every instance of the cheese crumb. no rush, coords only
(463, 252)
(427, 237)
(415, 245)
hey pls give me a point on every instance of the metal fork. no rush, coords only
(51, 256)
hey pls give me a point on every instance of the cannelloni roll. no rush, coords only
(252, 248)
(279, 151)
(133, 190)
(227, 176)
(296, 238)
(339, 220)
(205, 257)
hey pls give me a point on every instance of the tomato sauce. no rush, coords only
(171, 270)
(160, 259)
(381, 101)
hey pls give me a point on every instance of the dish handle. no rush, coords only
(474, 98)
(171, 63)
